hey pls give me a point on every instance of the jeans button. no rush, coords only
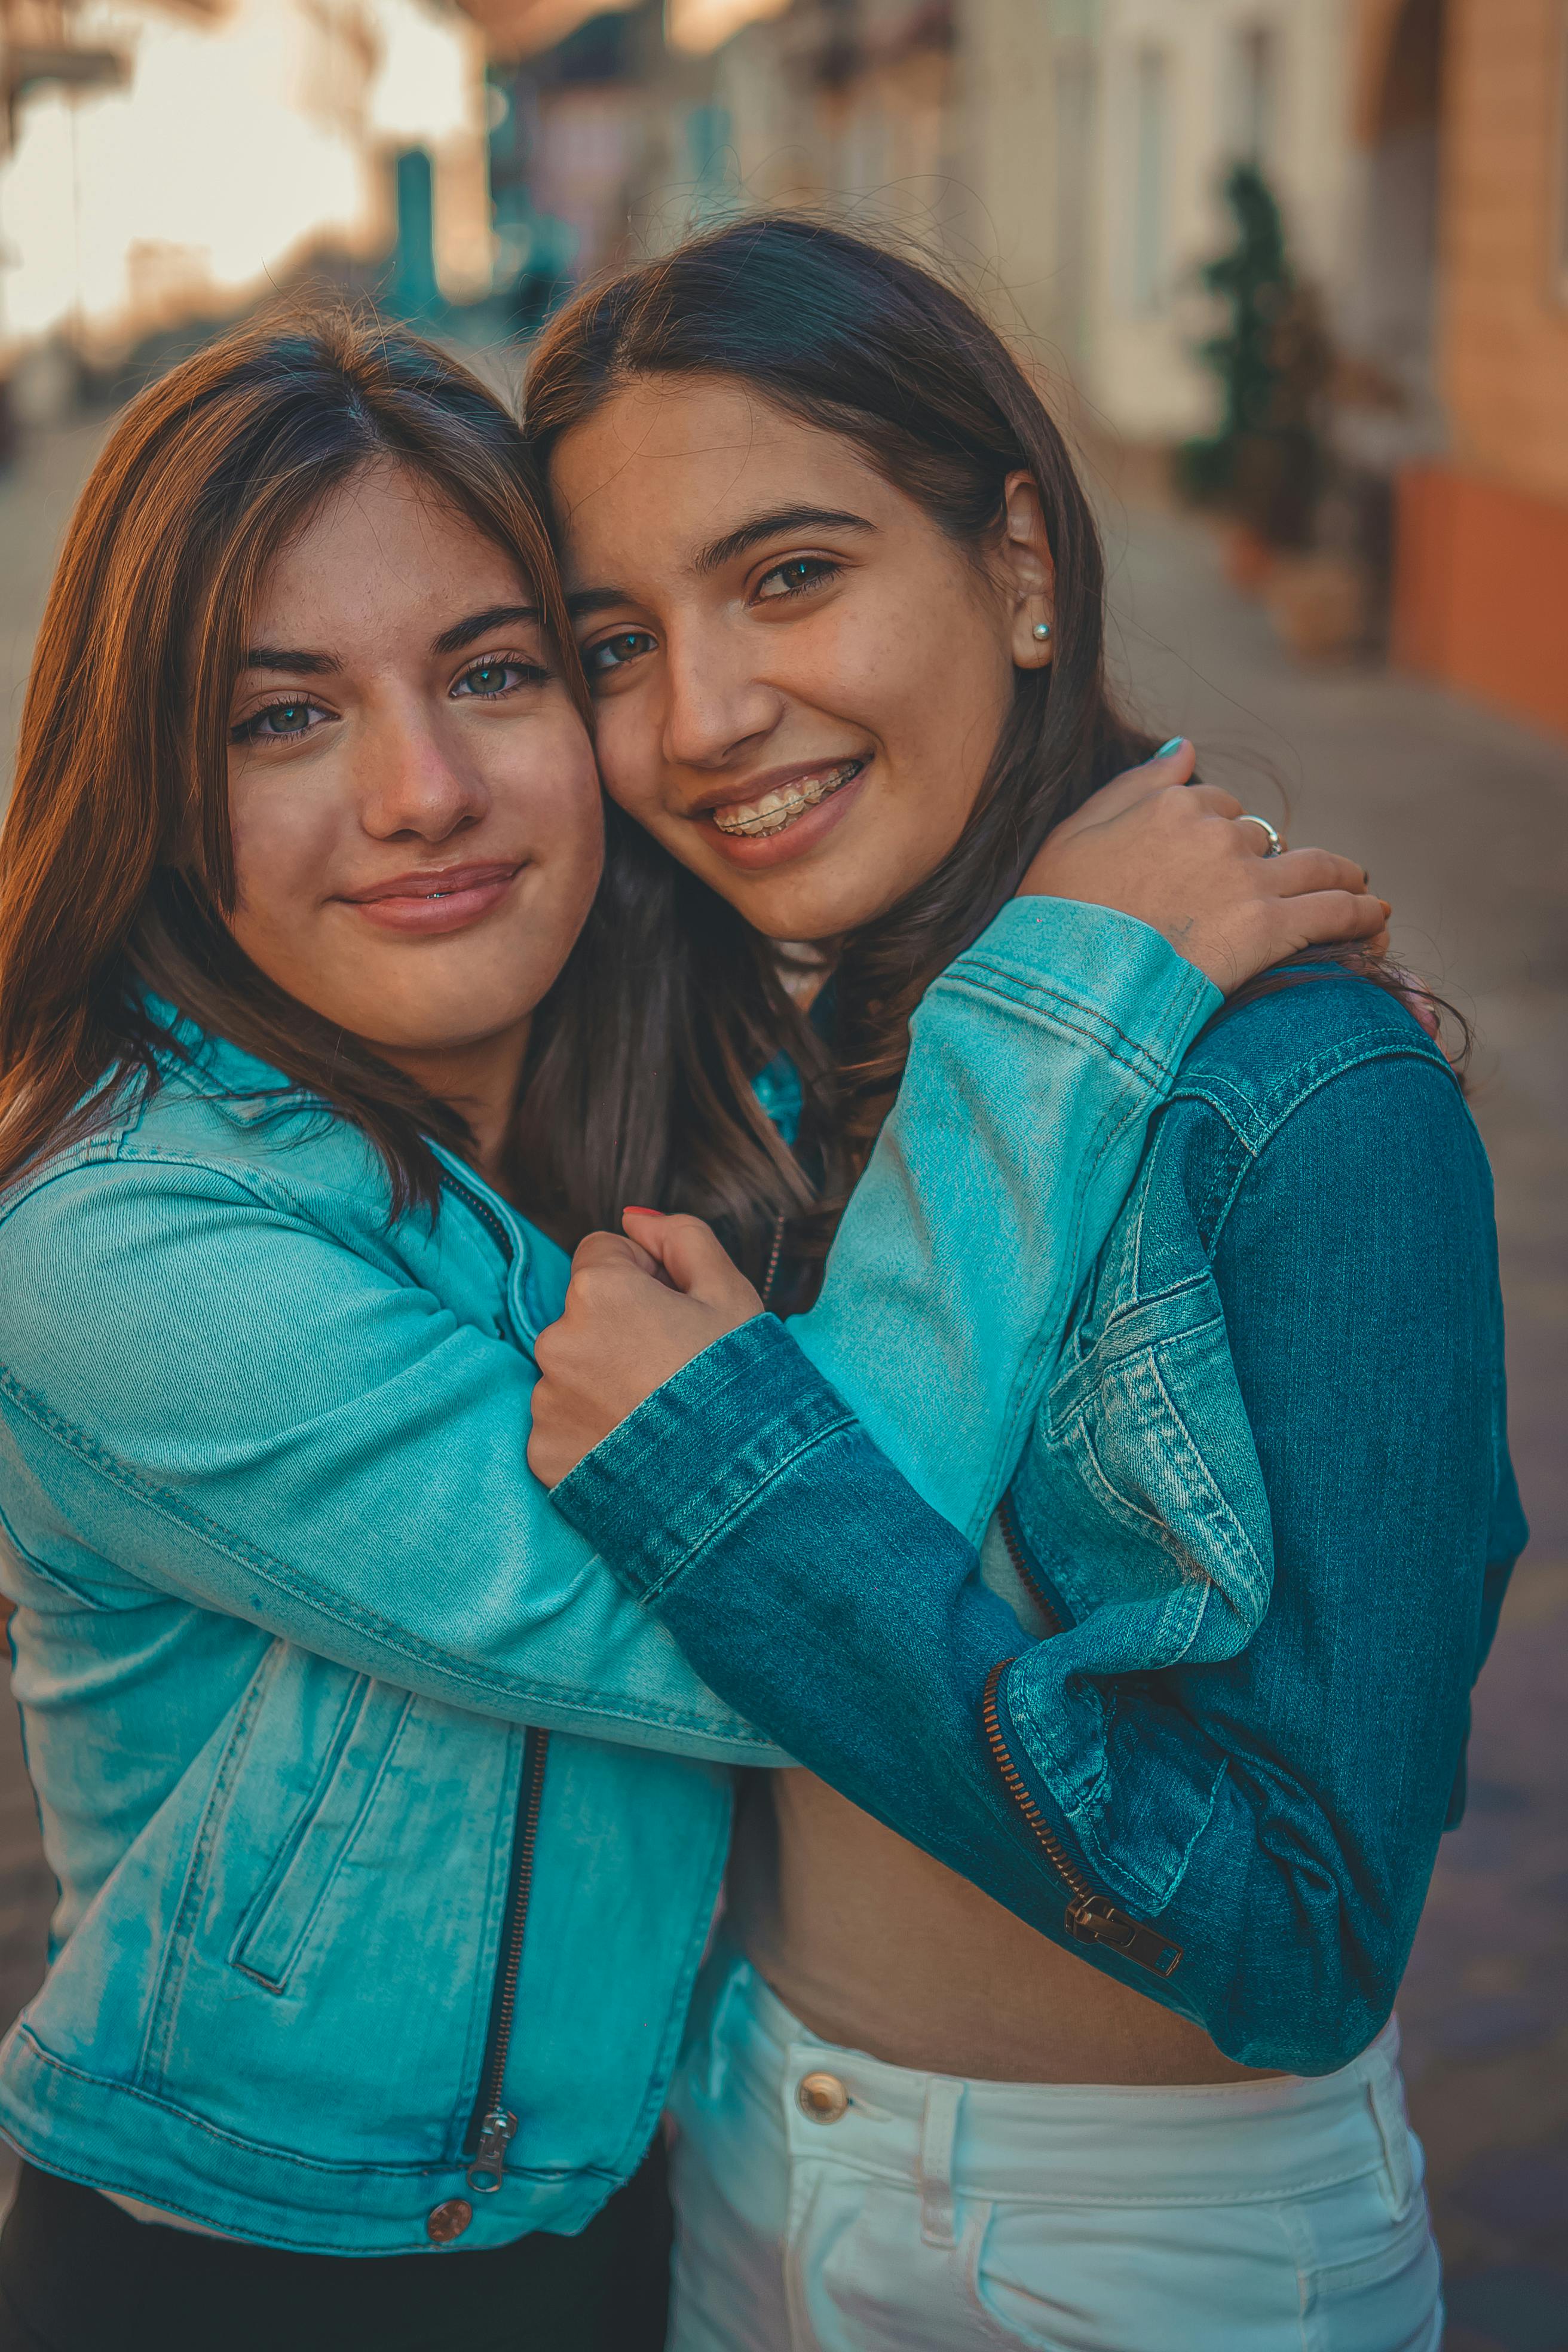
(823, 2097)
(445, 2222)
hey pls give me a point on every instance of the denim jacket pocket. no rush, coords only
(277, 1927)
(1149, 1479)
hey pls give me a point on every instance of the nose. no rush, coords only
(717, 708)
(412, 777)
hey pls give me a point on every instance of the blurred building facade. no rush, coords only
(173, 157)
(164, 160)
(1098, 135)
(1462, 107)
(1071, 155)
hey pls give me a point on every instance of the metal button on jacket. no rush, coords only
(823, 2097)
(445, 2222)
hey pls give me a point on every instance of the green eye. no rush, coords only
(489, 680)
(279, 722)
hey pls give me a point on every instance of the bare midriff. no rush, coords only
(876, 1947)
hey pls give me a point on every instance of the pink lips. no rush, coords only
(435, 899)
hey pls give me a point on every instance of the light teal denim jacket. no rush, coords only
(323, 1702)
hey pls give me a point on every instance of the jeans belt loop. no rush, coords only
(1388, 2113)
(938, 2132)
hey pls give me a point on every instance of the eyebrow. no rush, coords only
(450, 641)
(479, 625)
(596, 600)
(288, 657)
(586, 601)
(773, 525)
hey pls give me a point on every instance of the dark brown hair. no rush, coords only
(116, 864)
(846, 335)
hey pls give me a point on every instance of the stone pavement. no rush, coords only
(1462, 819)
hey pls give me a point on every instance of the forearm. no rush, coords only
(807, 1580)
(1271, 1817)
(266, 1427)
(1036, 1062)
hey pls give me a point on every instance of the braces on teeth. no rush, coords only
(775, 810)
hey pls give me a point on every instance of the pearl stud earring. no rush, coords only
(1042, 630)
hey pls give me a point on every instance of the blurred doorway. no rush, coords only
(1392, 413)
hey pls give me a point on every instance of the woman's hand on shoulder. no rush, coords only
(1181, 858)
(636, 1313)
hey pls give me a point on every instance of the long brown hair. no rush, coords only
(116, 863)
(849, 336)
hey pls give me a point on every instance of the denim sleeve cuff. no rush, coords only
(698, 1452)
(1094, 975)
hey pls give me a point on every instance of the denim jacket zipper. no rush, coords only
(1091, 1919)
(492, 2128)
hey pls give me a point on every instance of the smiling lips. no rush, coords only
(754, 820)
(442, 900)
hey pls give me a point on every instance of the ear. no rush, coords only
(1029, 575)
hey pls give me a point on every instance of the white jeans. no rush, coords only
(926, 2214)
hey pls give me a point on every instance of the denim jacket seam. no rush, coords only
(253, 1183)
(1193, 1576)
(273, 1885)
(289, 1581)
(115, 1144)
(1125, 1310)
(1024, 1402)
(1056, 1009)
(40, 1567)
(346, 2170)
(1257, 1118)
(738, 1505)
(154, 2055)
(1230, 1174)
(261, 1185)
(1092, 1026)
(1258, 1599)
(1019, 1702)
(1277, 1124)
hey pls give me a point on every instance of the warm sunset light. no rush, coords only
(233, 146)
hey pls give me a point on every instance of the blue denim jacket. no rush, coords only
(294, 1622)
(1210, 1737)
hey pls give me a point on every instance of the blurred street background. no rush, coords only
(1295, 273)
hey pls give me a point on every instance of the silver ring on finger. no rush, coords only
(1275, 843)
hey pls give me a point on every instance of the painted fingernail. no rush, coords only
(632, 1210)
(1174, 744)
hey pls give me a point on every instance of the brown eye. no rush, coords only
(796, 576)
(615, 652)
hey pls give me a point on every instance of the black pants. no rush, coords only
(77, 2274)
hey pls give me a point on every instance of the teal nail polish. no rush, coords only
(1174, 744)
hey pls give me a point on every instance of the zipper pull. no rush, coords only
(496, 2135)
(1095, 1919)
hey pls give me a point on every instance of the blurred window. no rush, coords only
(1077, 97)
(1152, 140)
(1254, 81)
(1559, 226)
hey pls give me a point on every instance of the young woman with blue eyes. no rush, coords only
(1056, 2011)
(388, 1829)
